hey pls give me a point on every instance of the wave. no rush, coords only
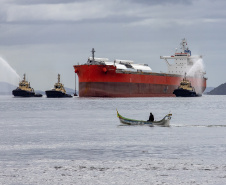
(198, 125)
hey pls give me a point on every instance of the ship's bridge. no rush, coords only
(183, 61)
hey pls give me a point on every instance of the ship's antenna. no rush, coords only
(58, 78)
(93, 51)
(183, 43)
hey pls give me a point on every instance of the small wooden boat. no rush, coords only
(163, 122)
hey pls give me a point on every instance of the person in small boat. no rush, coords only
(151, 117)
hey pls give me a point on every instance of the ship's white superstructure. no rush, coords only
(183, 61)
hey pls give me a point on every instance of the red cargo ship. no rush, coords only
(122, 78)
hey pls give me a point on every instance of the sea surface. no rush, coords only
(81, 141)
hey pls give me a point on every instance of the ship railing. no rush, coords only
(123, 61)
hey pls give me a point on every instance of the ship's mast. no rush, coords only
(183, 44)
(58, 78)
(185, 76)
(24, 76)
(93, 51)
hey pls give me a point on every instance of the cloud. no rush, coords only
(55, 12)
(162, 2)
(134, 13)
(20, 11)
(30, 2)
(39, 21)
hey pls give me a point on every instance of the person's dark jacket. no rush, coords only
(151, 117)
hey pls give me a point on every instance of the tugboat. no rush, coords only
(58, 91)
(185, 89)
(25, 90)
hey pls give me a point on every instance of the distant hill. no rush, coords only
(70, 91)
(220, 90)
(6, 88)
(39, 92)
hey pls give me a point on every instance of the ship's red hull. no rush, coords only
(106, 81)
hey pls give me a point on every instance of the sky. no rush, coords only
(45, 37)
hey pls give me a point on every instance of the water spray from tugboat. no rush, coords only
(197, 69)
(7, 73)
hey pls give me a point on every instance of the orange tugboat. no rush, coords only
(123, 78)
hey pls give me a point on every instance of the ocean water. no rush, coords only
(81, 141)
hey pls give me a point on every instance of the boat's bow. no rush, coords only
(164, 122)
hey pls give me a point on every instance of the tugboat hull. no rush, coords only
(57, 94)
(23, 93)
(25, 90)
(185, 93)
(38, 95)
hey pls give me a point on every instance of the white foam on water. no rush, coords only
(7, 73)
